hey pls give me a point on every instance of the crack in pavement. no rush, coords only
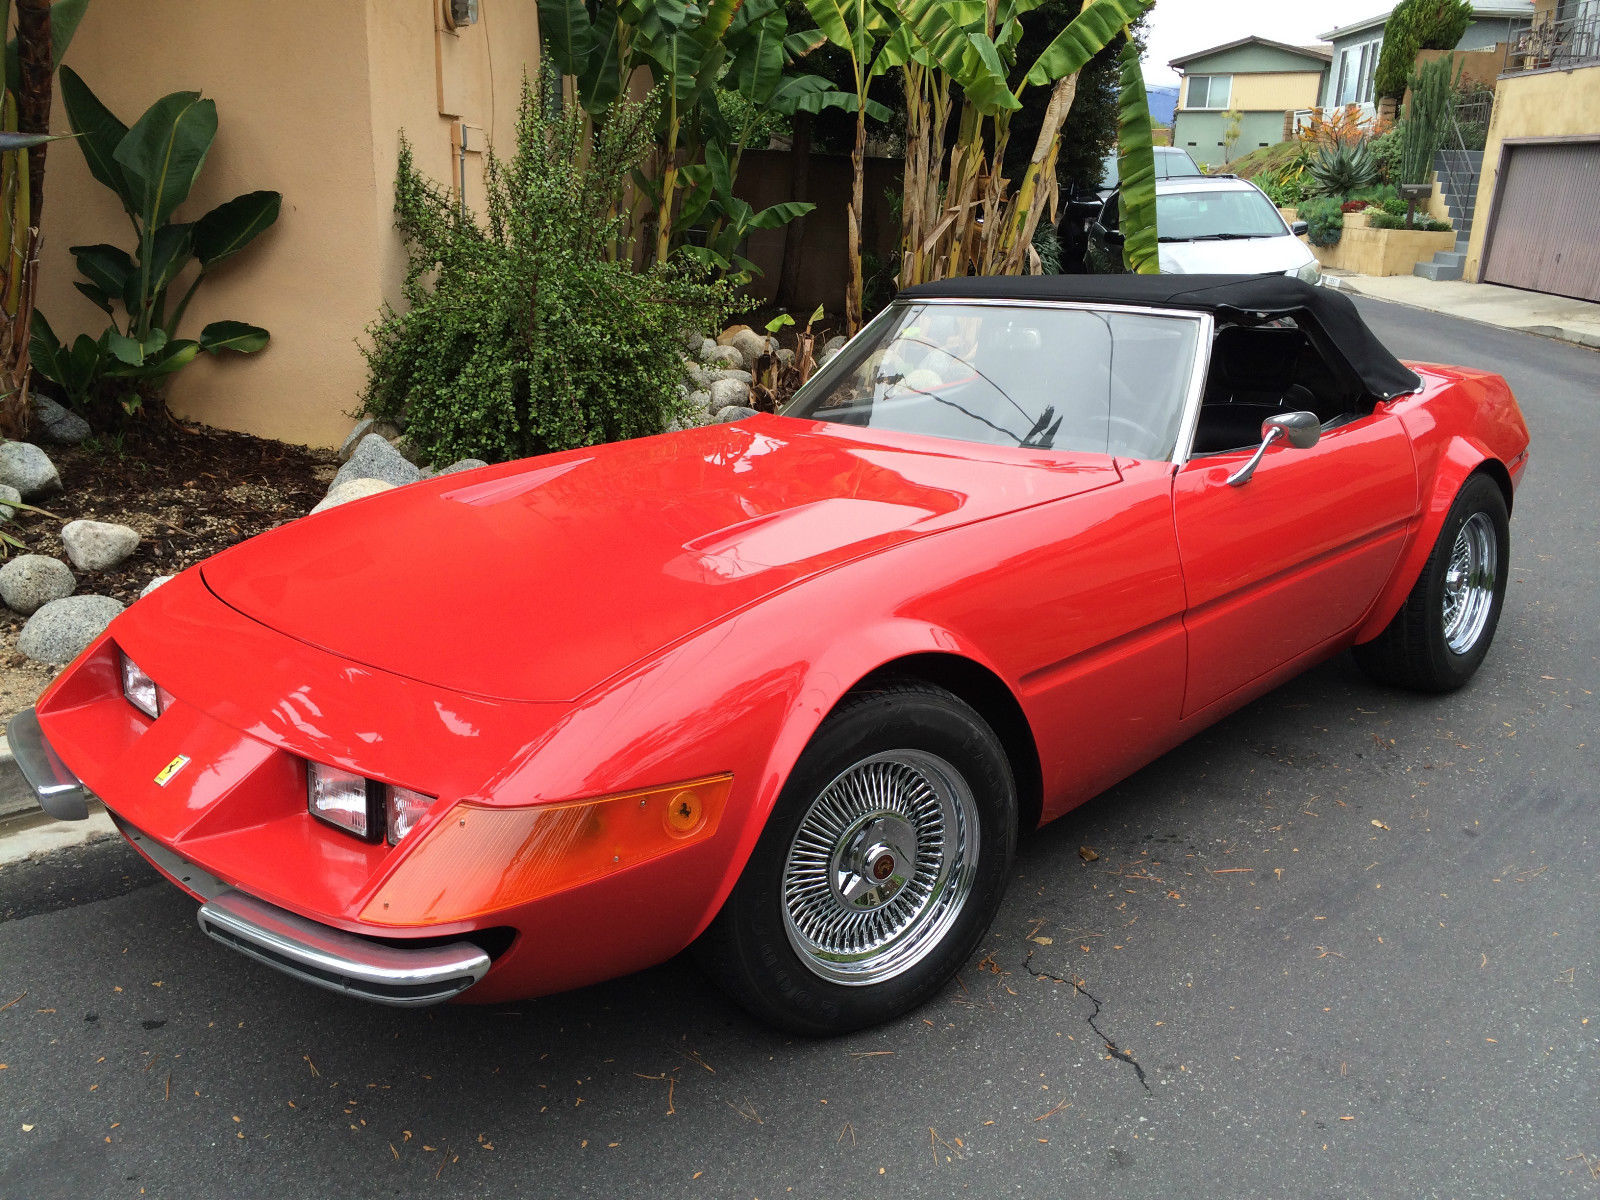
(1077, 984)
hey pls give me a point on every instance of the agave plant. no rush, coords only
(1340, 169)
(151, 167)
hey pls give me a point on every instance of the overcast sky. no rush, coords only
(1180, 27)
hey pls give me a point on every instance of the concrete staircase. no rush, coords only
(1458, 179)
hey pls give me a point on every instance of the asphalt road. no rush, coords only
(1343, 944)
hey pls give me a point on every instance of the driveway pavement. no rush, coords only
(1343, 944)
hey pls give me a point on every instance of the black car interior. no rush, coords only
(1258, 371)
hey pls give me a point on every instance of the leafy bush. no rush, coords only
(1386, 149)
(1387, 220)
(520, 336)
(1324, 221)
(1343, 168)
(1047, 245)
(1285, 193)
(151, 168)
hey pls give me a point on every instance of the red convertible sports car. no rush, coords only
(787, 690)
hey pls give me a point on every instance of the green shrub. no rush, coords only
(1324, 220)
(1285, 193)
(519, 336)
(1386, 150)
(1388, 220)
(1342, 169)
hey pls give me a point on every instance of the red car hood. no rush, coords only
(538, 580)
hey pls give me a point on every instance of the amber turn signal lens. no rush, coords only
(479, 859)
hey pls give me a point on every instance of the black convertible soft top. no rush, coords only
(1244, 298)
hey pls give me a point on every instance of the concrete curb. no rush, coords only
(15, 794)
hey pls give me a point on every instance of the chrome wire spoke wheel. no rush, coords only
(1469, 583)
(880, 867)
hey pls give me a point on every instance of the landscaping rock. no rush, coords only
(375, 458)
(734, 412)
(728, 391)
(743, 377)
(692, 341)
(706, 348)
(834, 344)
(9, 498)
(153, 585)
(700, 401)
(58, 424)
(465, 464)
(750, 344)
(28, 469)
(785, 357)
(725, 338)
(699, 378)
(726, 356)
(98, 545)
(29, 582)
(63, 629)
(387, 430)
(351, 489)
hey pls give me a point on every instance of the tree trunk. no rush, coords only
(858, 163)
(33, 100)
(794, 234)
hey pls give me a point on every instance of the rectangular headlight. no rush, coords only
(139, 689)
(344, 799)
(403, 810)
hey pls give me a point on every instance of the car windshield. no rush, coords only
(1104, 381)
(1215, 214)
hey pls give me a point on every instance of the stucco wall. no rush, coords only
(1538, 104)
(310, 97)
(1368, 251)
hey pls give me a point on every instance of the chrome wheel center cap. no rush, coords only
(873, 861)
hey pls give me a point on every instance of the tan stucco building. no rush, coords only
(1537, 222)
(311, 100)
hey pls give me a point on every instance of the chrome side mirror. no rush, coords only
(1301, 430)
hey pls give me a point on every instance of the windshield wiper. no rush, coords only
(1216, 237)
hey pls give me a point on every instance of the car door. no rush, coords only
(1292, 559)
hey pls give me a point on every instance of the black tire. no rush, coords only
(898, 730)
(1415, 650)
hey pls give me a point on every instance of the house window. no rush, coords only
(1357, 65)
(1209, 91)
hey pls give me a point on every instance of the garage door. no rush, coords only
(1546, 224)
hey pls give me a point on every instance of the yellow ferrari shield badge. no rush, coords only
(164, 776)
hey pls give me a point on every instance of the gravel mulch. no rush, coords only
(188, 491)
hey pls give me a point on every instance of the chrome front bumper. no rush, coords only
(339, 961)
(60, 793)
(407, 977)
